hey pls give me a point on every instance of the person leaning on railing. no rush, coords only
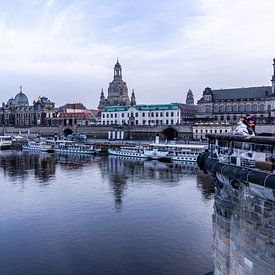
(241, 129)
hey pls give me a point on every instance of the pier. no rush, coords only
(244, 207)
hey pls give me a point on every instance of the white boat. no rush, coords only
(5, 142)
(186, 152)
(136, 152)
(65, 146)
(175, 152)
(43, 146)
(157, 151)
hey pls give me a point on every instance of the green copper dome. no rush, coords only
(21, 99)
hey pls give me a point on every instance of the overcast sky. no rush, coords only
(66, 49)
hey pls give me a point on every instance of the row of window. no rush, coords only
(241, 108)
(144, 122)
(211, 131)
(143, 114)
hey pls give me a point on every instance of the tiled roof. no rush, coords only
(242, 93)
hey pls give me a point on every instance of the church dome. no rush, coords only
(21, 99)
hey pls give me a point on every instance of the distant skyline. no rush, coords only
(66, 49)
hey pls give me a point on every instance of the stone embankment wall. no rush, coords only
(244, 231)
(101, 132)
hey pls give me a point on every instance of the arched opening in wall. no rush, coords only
(170, 134)
(67, 132)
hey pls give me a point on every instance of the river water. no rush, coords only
(71, 214)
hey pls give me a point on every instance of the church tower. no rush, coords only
(273, 78)
(190, 98)
(102, 101)
(133, 98)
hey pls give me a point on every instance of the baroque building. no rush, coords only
(18, 113)
(117, 91)
(227, 105)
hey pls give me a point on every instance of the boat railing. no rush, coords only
(244, 151)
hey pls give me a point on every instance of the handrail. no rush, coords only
(247, 139)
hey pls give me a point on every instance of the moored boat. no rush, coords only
(174, 152)
(137, 151)
(186, 152)
(157, 151)
(64, 146)
(43, 146)
(5, 142)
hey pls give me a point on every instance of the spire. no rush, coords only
(21, 89)
(133, 98)
(102, 94)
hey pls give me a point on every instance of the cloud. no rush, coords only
(67, 49)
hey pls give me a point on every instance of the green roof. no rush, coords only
(115, 108)
(143, 107)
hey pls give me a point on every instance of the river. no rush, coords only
(72, 214)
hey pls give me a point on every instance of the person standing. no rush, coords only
(250, 123)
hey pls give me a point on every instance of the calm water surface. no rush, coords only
(69, 214)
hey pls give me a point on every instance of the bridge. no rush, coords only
(244, 206)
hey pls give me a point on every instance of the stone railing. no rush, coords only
(244, 204)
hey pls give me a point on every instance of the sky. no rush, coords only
(66, 49)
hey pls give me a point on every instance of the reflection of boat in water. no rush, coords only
(136, 152)
(42, 146)
(174, 152)
(155, 164)
(5, 142)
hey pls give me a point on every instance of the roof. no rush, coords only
(242, 93)
(73, 106)
(21, 99)
(142, 107)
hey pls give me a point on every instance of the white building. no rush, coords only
(161, 114)
(200, 130)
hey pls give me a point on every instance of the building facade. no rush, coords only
(75, 114)
(200, 130)
(227, 105)
(18, 113)
(161, 114)
(117, 92)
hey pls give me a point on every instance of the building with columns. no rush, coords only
(227, 105)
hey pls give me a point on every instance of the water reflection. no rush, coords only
(103, 215)
(121, 170)
(118, 170)
(18, 164)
